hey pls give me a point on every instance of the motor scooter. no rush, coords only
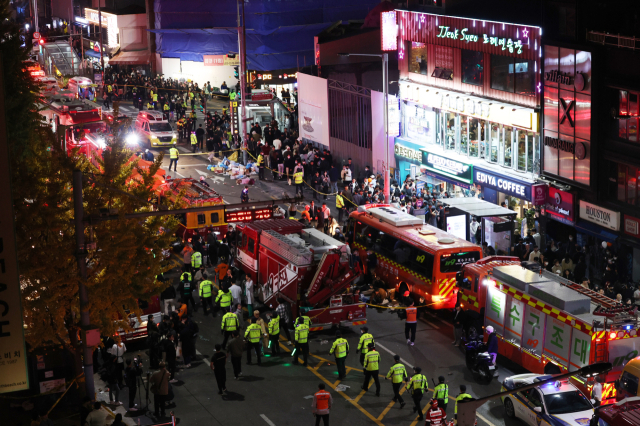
(479, 361)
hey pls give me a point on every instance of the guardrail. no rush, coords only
(616, 40)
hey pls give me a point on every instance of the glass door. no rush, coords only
(508, 142)
(522, 151)
(464, 135)
(495, 142)
(450, 129)
(474, 137)
(530, 151)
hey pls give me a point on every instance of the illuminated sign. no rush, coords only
(447, 166)
(559, 205)
(503, 184)
(248, 215)
(220, 60)
(463, 35)
(262, 96)
(108, 20)
(599, 215)
(411, 154)
(632, 226)
(389, 30)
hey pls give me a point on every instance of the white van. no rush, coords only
(49, 85)
(83, 87)
(154, 130)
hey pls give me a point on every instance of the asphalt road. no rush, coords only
(279, 393)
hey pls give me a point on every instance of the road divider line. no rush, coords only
(386, 410)
(362, 392)
(318, 365)
(484, 419)
(266, 419)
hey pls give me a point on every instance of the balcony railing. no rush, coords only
(616, 40)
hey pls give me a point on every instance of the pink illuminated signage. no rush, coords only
(389, 32)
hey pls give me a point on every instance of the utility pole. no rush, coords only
(100, 26)
(385, 86)
(243, 78)
(81, 256)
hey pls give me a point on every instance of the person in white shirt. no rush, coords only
(277, 143)
(596, 392)
(236, 293)
(248, 288)
(118, 350)
(473, 227)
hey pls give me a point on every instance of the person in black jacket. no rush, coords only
(168, 296)
(316, 182)
(188, 336)
(458, 325)
(169, 347)
(131, 372)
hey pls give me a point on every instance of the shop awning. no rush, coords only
(139, 57)
(595, 231)
(477, 207)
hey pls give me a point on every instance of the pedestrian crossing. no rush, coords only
(129, 110)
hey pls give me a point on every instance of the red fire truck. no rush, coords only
(623, 413)
(139, 327)
(304, 266)
(546, 323)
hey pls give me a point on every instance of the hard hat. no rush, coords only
(489, 329)
(406, 293)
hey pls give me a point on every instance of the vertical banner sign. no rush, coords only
(580, 349)
(557, 341)
(13, 357)
(514, 322)
(313, 116)
(496, 305)
(533, 330)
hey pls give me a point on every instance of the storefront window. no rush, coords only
(474, 137)
(525, 77)
(508, 140)
(628, 184)
(472, 67)
(418, 58)
(502, 73)
(495, 142)
(531, 138)
(450, 129)
(632, 183)
(522, 150)
(464, 136)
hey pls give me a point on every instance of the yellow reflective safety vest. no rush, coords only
(302, 333)
(149, 105)
(196, 259)
(397, 373)
(441, 392)
(260, 160)
(339, 201)
(194, 140)
(193, 115)
(224, 299)
(166, 107)
(372, 361)
(155, 97)
(305, 319)
(417, 383)
(109, 89)
(341, 347)
(253, 333)
(274, 326)
(191, 95)
(229, 322)
(173, 153)
(206, 289)
(186, 276)
(460, 398)
(363, 344)
(298, 177)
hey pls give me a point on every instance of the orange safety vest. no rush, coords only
(412, 313)
(322, 400)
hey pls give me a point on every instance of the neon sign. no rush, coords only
(463, 35)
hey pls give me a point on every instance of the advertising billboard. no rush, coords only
(313, 108)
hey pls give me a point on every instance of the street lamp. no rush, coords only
(467, 408)
(385, 92)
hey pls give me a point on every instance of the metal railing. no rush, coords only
(350, 113)
(616, 40)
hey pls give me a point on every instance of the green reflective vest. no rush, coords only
(274, 326)
(253, 332)
(341, 347)
(372, 361)
(302, 333)
(417, 383)
(363, 344)
(155, 97)
(224, 299)
(173, 152)
(339, 201)
(305, 319)
(298, 177)
(166, 107)
(194, 140)
(460, 398)
(441, 392)
(186, 276)
(230, 322)
(206, 288)
(397, 373)
(196, 259)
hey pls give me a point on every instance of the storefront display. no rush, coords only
(560, 206)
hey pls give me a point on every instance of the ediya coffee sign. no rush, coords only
(599, 215)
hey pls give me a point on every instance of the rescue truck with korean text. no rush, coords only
(303, 266)
(546, 323)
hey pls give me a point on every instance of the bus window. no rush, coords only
(421, 262)
(629, 383)
(401, 251)
(215, 217)
(452, 262)
(202, 219)
(251, 245)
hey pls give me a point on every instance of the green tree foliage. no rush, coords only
(128, 255)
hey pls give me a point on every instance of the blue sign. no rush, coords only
(507, 185)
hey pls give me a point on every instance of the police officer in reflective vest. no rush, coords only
(340, 205)
(397, 374)
(260, 163)
(173, 155)
(223, 299)
(252, 336)
(322, 402)
(206, 294)
(302, 319)
(194, 141)
(298, 179)
(463, 396)
(228, 326)
(363, 344)
(441, 393)
(155, 101)
(341, 349)
(186, 287)
(371, 368)
(274, 334)
(165, 109)
(302, 345)
(416, 386)
(196, 260)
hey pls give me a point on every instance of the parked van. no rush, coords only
(154, 130)
(83, 87)
(49, 85)
(627, 384)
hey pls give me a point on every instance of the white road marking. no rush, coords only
(266, 419)
(484, 419)
(308, 397)
(404, 361)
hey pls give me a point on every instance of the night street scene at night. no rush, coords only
(319, 212)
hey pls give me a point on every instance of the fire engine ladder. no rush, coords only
(600, 345)
(328, 269)
(597, 298)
